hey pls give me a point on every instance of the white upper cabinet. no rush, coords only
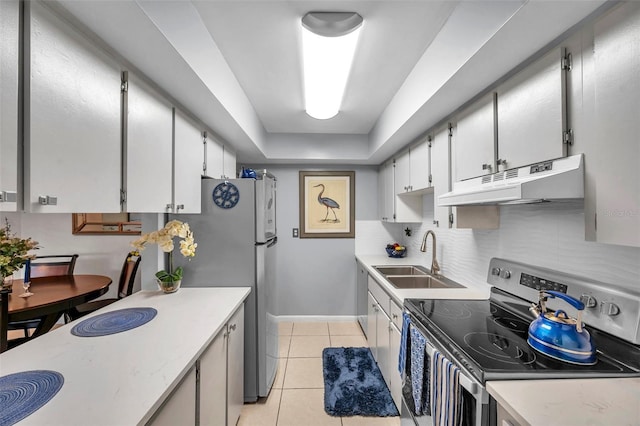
(441, 174)
(9, 69)
(474, 153)
(413, 169)
(187, 164)
(386, 192)
(402, 173)
(531, 113)
(149, 143)
(612, 209)
(72, 136)
(420, 166)
(214, 158)
(229, 163)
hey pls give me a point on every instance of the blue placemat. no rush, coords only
(114, 322)
(21, 394)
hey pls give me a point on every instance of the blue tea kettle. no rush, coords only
(559, 336)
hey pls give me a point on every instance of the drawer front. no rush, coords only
(380, 295)
(395, 313)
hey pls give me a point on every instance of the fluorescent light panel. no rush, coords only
(327, 62)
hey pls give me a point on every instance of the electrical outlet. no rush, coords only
(295, 233)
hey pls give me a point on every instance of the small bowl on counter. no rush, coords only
(396, 252)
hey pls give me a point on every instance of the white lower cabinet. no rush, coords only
(180, 407)
(222, 375)
(212, 392)
(384, 316)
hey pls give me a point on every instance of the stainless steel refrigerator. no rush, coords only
(236, 237)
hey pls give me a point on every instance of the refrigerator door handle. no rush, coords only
(273, 242)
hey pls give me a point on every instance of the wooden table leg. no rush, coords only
(46, 324)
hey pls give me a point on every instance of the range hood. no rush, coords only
(559, 179)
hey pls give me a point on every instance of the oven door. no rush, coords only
(476, 409)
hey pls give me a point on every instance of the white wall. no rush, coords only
(316, 276)
(99, 254)
(550, 235)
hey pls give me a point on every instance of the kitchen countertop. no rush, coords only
(604, 402)
(470, 291)
(123, 378)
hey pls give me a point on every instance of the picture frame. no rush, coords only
(327, 204)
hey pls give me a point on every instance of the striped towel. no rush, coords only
(446, 394)
(419, 372)
(402, 356)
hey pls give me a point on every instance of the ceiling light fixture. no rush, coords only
(328, 44)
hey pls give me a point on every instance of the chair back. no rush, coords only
(128, 275)
(53, 265)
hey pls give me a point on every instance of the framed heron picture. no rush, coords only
(327, 204)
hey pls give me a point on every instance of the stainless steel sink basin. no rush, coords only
(401, 270)
(420, 281)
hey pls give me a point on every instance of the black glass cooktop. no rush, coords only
(489, 338)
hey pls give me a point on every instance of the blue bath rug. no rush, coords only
(114, 322)
(353, 384)
(21, 394)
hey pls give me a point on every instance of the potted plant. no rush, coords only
(169, 280)
(14, 253)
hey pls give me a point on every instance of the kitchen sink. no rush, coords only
(420, 281)
(401, 270)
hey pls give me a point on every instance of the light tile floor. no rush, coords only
(297, 396)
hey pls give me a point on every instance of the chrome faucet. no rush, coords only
(435, 268)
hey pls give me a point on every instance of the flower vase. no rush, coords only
(169, 286)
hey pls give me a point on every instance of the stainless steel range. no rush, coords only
(487, 339)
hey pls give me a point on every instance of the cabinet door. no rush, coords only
(420, 166)
(395, 381)
(441, 175)
(229, 163)
(235, 367)
(617, 126)
(215, 159)
(402, 174)
(382, 330)
(72, 149)
(474, 148)
(149, 149)
(361, 296)
(372, 316)
(187, 165)
(386, 191)
(9, 50)
(213, 382)
(180, 407)
(531, 113)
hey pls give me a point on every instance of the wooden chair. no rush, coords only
(46, 266)
(125, 288)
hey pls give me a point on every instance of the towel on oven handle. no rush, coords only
(446, 394)
(402, 355)
(419, 369)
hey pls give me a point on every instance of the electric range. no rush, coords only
(487, 339)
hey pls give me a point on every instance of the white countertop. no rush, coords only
(569, 402)
(470, 291)
(121, 379)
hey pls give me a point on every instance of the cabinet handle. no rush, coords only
(169, 206)
(180, 206)
(47, 200)
(487, 167)
(232, 327)
(394, 316)
(502, 162)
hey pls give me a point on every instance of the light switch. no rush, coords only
(295, 233)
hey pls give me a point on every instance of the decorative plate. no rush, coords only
(22, 394)
(114, 322)
(226, 195)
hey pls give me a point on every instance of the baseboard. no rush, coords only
(316, 318)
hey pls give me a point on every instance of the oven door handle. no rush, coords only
(465, 382)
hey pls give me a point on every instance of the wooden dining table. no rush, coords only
(52, 297)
